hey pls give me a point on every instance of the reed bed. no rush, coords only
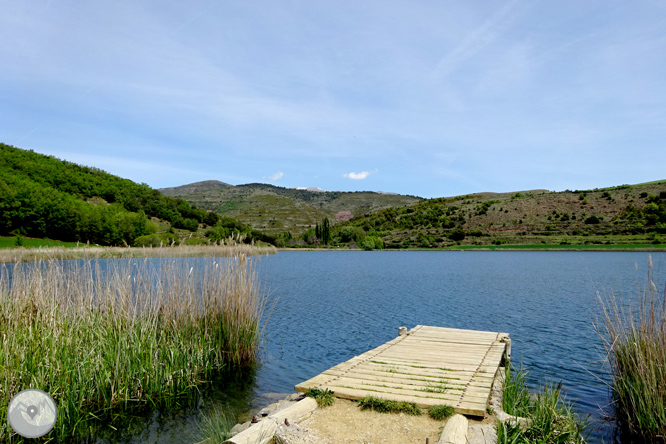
(550, 419)
(99, 335)
(95, 252)
(634, 337)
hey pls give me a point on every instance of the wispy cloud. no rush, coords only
(358, 176)
(276, 176)
(481, 37)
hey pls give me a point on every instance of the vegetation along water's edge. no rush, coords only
(633, 332)
(100, 336)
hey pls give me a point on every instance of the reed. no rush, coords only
(634, 337)
(550, 419)
(99, 335)
(215, 427)
(95, 252)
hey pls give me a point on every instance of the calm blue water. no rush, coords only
(328, 306)
(331, 306)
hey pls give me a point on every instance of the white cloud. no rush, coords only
(276, 176)
(357, 176)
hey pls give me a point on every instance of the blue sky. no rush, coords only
(430, 98)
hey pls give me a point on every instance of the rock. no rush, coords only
(295, 397)
(240, 427)
(273, 408)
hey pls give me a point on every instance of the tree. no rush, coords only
(457, 235)
(326, 231)
(211, 219)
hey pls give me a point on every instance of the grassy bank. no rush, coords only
(87, 252)
(634, 337)
(565, 247)
(97, 335)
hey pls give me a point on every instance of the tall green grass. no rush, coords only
(215, 427)
(98, 335)
(634, 338)
(550, 418)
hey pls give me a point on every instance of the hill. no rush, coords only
(45, 197)
(277, 210)
(196, 187)
(622, 215)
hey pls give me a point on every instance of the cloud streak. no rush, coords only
(480, 38)
(276, 176)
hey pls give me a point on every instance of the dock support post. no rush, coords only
(506, 357)
(402, 331)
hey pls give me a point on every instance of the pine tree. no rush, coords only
(326, 231)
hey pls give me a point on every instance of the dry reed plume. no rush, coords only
(88, 252)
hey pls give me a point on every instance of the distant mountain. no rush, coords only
(276, 210)
(196, 187)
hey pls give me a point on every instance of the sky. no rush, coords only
(427, 98)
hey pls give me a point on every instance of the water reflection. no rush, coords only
(232, 391)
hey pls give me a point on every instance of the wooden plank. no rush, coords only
(465, 408)
(448, 377)
(457, 364)
(379, 386)
(413, 367)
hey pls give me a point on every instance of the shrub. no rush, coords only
(457, 235)
(324, 397)
(592, 220)
(195, 241)
(372, 243)
(19, 241)
(155, 240)
(211, 218)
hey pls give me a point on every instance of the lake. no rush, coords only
(333, 305)
(325, 307)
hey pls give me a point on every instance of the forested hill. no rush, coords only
(42, 196)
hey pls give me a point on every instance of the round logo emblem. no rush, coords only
(32, 413)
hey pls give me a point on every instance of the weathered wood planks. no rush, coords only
(428, 366)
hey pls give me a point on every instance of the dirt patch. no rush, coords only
(345, 423)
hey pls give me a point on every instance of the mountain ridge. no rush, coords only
(275, 210)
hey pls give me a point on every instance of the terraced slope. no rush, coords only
(277, 210)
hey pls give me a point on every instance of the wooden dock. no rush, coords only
(427, 366)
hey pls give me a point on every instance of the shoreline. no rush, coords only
(608, 248)
(30, 254)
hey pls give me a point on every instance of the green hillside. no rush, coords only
(622, 215)
(45, 197)
(276, 210)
